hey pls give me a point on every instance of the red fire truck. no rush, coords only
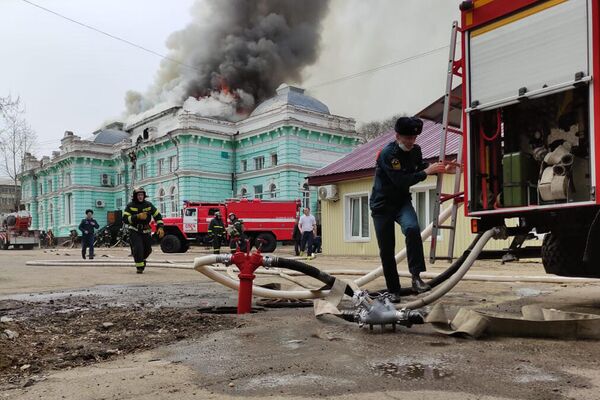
(266, 220)
(531, 123)
(15, 232)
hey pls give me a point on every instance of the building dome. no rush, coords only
(110, 136)
(290, 95)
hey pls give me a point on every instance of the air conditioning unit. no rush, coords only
(100, 204)
(106, 181)
(329, 193)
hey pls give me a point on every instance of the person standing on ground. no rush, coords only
(87, 226)
(399, 166)
(308, 227)
(297, 238)
(138, 214)
(236, 233)
(216, 231)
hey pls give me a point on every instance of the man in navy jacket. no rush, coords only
(87, 226)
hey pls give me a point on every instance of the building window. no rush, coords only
(273, 190)
(143, 171)
(244, 165)
(174, 199)
(424, 203)
(161, 166)
(68, 209)
(49, 185)
(119, 179)
(274, 159)
(357, 211)
(243, 192)
(118, 203)
(40, 189)
(51, 215)
(259, 162)
(305, 192)
(173, 163)
(258, 189)
(67, 180)
(162, 206)
(41, 218)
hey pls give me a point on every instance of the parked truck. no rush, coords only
(15, 232)
(265, 221)
(531, 124)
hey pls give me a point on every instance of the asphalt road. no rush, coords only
(288, 353)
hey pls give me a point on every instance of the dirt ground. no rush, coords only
(92, 332)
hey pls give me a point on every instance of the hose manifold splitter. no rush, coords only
(381, 311)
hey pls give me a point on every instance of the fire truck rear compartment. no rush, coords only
(532, 153)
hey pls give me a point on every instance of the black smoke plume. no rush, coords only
(240, 51)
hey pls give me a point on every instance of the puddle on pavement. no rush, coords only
(413, 371)
(293, 380)
(529, 374)
(529, 292)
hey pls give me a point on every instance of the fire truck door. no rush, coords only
(190, 220)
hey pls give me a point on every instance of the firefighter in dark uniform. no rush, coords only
(399, 166)
(236, 233)
(138, 215)
(216, 231)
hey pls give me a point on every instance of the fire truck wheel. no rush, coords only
(269, 243)
(562, 255)
(170, 244)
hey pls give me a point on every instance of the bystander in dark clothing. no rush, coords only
(87, 226)
(297, 238)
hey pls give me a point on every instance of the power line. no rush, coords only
(384, 66)
(110, 35)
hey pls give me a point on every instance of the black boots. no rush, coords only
(418, 285)
(139, 270)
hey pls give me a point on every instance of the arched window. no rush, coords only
(174, 200)
(305, 191)
(162, 206)
(243, 193)
(273, 190)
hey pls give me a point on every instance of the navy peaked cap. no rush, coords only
(408, 126)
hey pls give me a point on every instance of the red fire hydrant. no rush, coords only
(247, 263)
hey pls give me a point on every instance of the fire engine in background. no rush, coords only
(531, 124)
(15, 232)
(266, 221)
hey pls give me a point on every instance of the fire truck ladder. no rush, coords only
(457, 197)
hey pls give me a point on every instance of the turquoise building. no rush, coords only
(177, 154)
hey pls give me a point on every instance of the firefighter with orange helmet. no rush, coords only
(138, 214)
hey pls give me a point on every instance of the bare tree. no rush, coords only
(373, 129)
(16, 139)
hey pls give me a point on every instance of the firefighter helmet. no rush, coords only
(231, 215)
(139, 190)
(217, 214)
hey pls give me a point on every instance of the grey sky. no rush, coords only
(71, 78)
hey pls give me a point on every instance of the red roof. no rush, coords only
(361, 162)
